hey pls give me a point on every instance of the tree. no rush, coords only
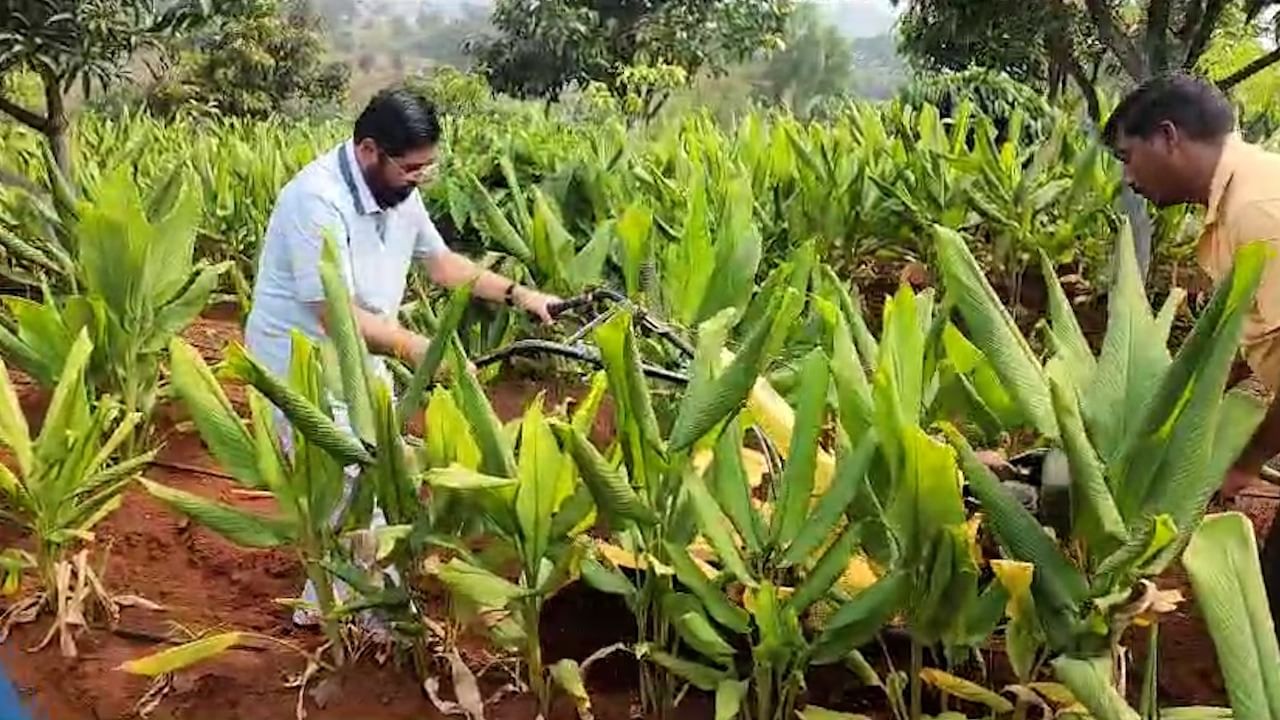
(816, 62)
(79, 42)
(1083, 41)
(544, 46)
(253, 62)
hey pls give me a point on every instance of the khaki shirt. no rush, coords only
(1244, 206)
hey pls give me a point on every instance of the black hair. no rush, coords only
(1195, 106)
(399, 120)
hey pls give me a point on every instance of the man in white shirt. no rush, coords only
(364, 194)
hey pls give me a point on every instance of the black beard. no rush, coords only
(388, 198)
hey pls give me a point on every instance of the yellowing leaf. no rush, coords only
(1016, 579)
(183, 656)
(1056, 693)
(859, 575)
(965, 690)
(619, 557)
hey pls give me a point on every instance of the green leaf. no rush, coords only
(636, 422)
(1133, 359)
(696, 674)
(176, 315)
(797, 477)
(608, 484)
(958, 687)
(850, 478)
(729, 697)
(457, 477)
(445, 333)
(685, 614)
(1089, 679)
(713, 599)
(478, 585)
(568, 675)
(857, 621)
(1059, 587)
(1222, 562)
(715, 526)
(14, 432)
(495, 452)
(303, 414)
(352, 355)
(732, 489)
(242, 528)
(539, 473)
(705, 406)
(826, 571)
(1095, 519)
(993, 330)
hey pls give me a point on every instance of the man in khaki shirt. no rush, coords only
(1176, 137)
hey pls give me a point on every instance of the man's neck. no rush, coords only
(1204, 159)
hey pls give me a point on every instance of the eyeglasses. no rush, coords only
(416, 173)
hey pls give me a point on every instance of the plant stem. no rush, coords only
(533, 656)
(917, 664)
(325, 599)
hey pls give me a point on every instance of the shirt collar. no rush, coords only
(365, 204)
(1232, 149)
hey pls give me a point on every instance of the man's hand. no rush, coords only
(536, 303)
(1237, 480)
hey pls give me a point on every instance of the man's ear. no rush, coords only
(1169, 134)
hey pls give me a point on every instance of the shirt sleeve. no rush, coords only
(428, 241)
(314, 216)
(1260, 221)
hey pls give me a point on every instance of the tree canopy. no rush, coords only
(85, 42)
(1084, 42)
(544, 46)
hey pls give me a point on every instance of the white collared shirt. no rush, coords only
(377, 247)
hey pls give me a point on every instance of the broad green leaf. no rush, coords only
(850, 478)
(705, 406)
(457, 477)
(478, 585)
(857, 621)
(1059, 586)
(177, 314)
(853, 391)
(729, 697)
(303, 414)
(68, 409)
(495, 452)
(497, 225)
(539, 473)
(993, 330)
(813, 712)
(713, 599)
(797, 479)
(826, 571)
(715, 526)
(1089, 680)
(695, 630)
(637, 424)
(352, 355)
(1095, 519)
(1133, 360)
(606, 579)
(1166, 467)
(1222, 562)
(14, 432)
(928, 498)
(242, 528)
(183, 656)
(698, 675)
(608, 485)
(732, 488)
(445, 332)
